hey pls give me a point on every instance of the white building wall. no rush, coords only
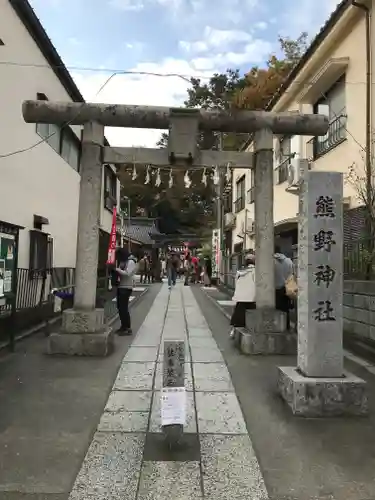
(38, 181)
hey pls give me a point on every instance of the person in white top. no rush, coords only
(244, 294)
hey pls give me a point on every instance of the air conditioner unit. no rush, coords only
(229, 219)
(295, 171)
(250, 226)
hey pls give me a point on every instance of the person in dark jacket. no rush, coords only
(208, 270)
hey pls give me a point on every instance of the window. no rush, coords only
(70, 148)
(250, 193)
(41, 251)
(110, 188)
(62, 139)
(239, 204)
(333, 105)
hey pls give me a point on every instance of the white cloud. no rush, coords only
(193, 47)
(226, 48)
(138, 46)
(252, 53)
(130, 5)
(215, 38)
(139, 90)
(194, 13)
(261, 25)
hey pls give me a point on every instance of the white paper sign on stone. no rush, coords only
(173, 406)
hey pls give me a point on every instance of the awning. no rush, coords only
(286, 225)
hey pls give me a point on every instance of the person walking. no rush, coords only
(148, 269)
(172, 265)
(163, 267)
(207, 272)
(142, 269)
(284, 269)
(126, 270)
(187, 268)
(244, 294)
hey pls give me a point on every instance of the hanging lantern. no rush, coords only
(204, 176)
(187, 180)
(148, 177)
(134, 174)
(228, 173)
(158, 178)
(216, 178)
(170, 181)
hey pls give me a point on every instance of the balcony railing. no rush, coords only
(250, 195)
(239, 204)
(282, 171)
(336, 134)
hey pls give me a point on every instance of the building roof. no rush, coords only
(31, 22)
(317, 41)
(141, 229)
(33, 25)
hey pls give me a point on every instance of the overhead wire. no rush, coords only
(118, 72)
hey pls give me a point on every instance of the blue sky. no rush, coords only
(189, 37)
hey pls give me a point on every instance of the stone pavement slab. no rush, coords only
(111, 467)
(133, 413)
(170, 480)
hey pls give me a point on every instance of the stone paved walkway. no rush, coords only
(125, 458)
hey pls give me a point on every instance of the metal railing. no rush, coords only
(336, 133)
(283, 171)
(358, 262)
(33, 302)
(359, 259)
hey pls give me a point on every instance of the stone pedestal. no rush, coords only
(83, 333)
(265, 333)
(322, 397)
(319, 386)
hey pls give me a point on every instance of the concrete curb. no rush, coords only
(38, 328)
(352, 357)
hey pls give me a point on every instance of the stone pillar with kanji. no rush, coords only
(320, 386)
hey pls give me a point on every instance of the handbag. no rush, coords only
(291, 287)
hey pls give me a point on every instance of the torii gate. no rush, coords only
(83, 330)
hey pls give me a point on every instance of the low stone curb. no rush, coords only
(41, 326)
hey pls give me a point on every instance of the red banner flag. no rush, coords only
(111, 259)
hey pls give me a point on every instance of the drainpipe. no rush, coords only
(368, 103)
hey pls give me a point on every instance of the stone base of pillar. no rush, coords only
(322, 397)
(81, 344)
(83, 333)
(265, 333)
